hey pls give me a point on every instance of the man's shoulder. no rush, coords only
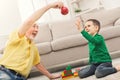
(14, 32)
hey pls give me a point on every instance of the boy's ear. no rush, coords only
(97, 28)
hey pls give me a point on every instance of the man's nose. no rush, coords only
(36, 29)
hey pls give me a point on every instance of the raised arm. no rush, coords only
(35, 16)
(78, 24)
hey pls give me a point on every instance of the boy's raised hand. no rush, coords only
(78, 24)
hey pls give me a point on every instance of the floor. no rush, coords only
(115, 76)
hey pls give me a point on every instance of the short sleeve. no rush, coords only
(14, 37)
(36, 57)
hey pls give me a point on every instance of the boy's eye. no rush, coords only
(88, 25)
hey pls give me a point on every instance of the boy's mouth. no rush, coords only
(87, 31)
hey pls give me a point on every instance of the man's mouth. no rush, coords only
(34, 34)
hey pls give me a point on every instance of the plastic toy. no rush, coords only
(67, 73)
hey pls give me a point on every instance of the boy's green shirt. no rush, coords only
(97, 48)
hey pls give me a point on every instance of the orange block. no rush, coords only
(75, 74)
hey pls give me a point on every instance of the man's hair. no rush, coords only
(95, 23)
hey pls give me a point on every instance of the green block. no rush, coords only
(68, 67)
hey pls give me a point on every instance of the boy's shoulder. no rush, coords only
(99, 35)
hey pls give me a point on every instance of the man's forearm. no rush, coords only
(32, 19)
(37, 14)
(43, 70)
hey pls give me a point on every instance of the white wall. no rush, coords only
(25, 8)
(9, 16)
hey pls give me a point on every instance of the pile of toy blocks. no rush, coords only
(67, 73)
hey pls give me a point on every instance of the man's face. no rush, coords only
(32, 32)
(91, 28)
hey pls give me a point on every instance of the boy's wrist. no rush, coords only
(80, 30)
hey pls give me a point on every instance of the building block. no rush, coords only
(75, 74)
(67, 73)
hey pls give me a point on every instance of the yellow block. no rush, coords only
(62, 73)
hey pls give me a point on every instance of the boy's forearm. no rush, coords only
(80, 30)
(86, 35)
(90, 38)
(78, 24)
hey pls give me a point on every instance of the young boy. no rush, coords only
(99, 58)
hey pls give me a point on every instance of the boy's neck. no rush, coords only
(94, 34)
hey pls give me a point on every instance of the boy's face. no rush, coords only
(91, 28)
(32, 32)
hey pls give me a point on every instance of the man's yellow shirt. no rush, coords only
(20, 54)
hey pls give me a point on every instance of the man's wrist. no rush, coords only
(50, 76)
